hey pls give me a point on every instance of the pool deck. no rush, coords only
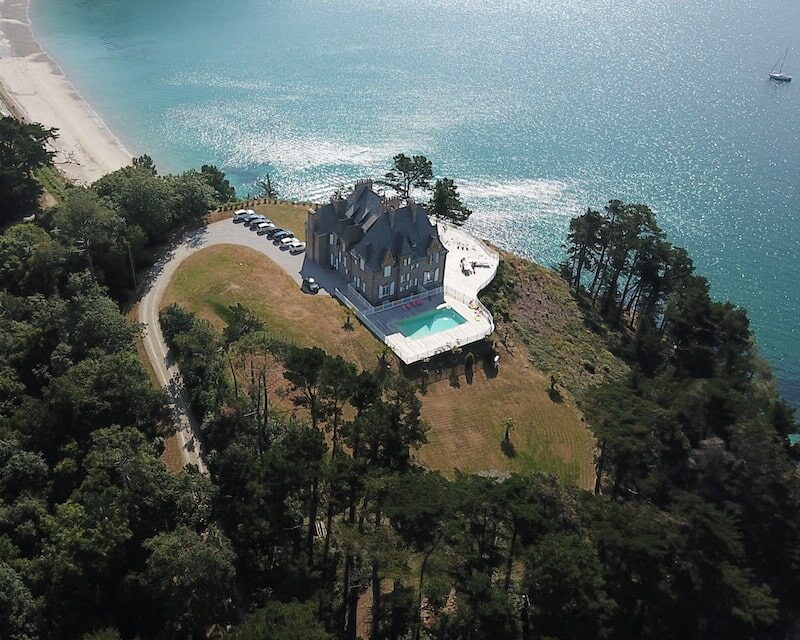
(460, 292)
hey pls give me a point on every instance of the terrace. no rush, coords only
(470, 266)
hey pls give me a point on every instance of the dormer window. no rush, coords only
(387, 271)
(406, 261)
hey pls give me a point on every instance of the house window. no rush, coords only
(386, 290)
(427, 277)
(333, 260)
(361, 263)
(434, 258)
(436, 275)
(387, 271)
(406, 261)
(359, 283)
(331, 239)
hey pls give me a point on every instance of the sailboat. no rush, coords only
(780, 76)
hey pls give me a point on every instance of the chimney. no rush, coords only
(393, 203)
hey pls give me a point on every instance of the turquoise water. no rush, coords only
(537, 108)
(426, 324)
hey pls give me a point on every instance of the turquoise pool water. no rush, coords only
(426, 324)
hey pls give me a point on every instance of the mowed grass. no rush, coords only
(467, 426)
(285, 214)
(216, 278)
(466, 421)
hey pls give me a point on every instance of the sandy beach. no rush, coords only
(34, 88)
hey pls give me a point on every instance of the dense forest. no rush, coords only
(318, 524)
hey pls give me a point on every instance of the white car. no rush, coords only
(285, 243)
(297, 246)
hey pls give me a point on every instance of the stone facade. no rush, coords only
(386, 249)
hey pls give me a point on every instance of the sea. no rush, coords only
(537, 108)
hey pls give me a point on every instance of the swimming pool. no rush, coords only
(426, 324)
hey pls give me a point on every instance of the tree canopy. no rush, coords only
(316, 519)
(23, 150)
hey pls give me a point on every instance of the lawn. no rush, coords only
(218, 277)
(287, 215)
(466, 420)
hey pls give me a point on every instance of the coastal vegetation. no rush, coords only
(415, 173)
(679, 468)
(23, 152)
(319, 521)
(465, 420)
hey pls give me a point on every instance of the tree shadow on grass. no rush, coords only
(507, 447)
(489, 368)
(555, 395)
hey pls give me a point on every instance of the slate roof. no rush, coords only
(369, 228)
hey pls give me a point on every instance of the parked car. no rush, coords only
(286, 242)
(262, 227)
(297, 246)
(239, 215)
(281, 235)
(309, 285)
(248, 217)
(273, 231)
(255, 221)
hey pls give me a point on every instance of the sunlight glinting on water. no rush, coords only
(537, 108)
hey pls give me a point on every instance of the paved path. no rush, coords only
(223, 232)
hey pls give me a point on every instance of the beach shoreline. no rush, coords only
(34, 88)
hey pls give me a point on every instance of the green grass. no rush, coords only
(52, 183)
(221, 276)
